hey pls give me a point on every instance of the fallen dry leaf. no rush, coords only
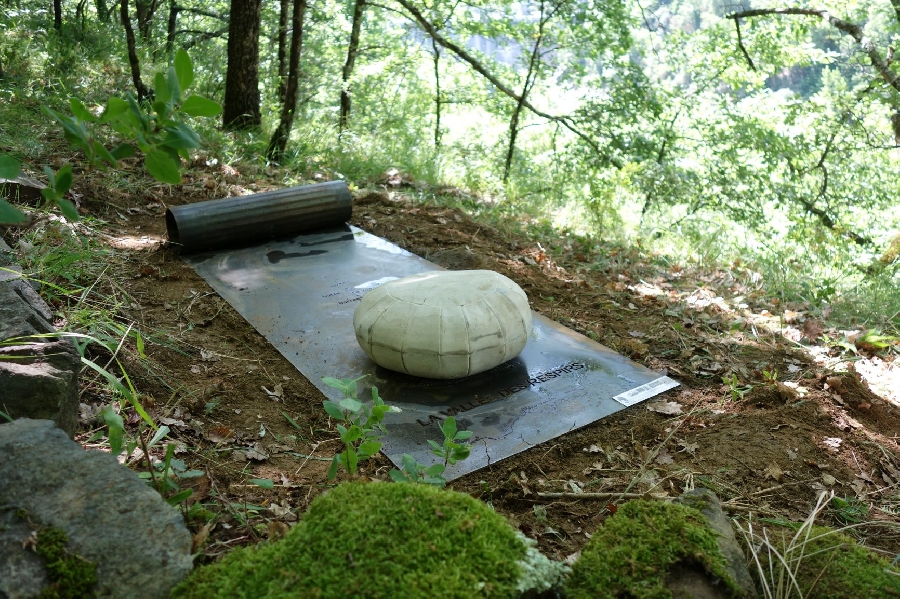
(688, 447)
(670, 408)
(773, 471)
(663, 457)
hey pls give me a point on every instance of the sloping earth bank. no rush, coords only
(767, 444)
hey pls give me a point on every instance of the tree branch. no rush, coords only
(482, 70)
(855, 31)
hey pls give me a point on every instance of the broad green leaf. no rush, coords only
(332, 470)
(123, 151)
(9, 167)
(9, 215)
(435, 470)
(161, 109)
(265, 483)
(161, 432)
(80, 111)
(436, 481)
(174, 85)
(353, 434)
(116, 427)
(63, 180)
(162, 167)
(181, 136)
(184, 69)
(180, 496)
(449, 427)
(369, 448)
(333, 410)
(350, 404)
(435, 446)
(352, 460)
(50, 195)
(397, 476)
(115, 107)
(199, 106)
(409, 463)
(101, 152)
(161, 87)
(462, 435)
(68, 209)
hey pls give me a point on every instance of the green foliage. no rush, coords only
(377, 540)
(166, 476)
(156, 127)
(360, 425)
(414, 472)
(451, 451)
(735, 389)
(633, 552)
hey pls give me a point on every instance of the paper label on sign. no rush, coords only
(645, 391)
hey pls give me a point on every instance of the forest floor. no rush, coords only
(799, 416)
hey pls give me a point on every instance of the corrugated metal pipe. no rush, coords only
(246, 219)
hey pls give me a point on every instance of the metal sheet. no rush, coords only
(300, 293)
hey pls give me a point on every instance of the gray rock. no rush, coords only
(707, 503)
(42, 380)
(21, 573)
(112, 518)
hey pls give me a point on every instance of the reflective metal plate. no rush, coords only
(300, 293)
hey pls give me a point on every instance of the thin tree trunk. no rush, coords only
(283, 17)
(359, 9)
(142, 91)
(530, 78)
(145, 9)
(57, 15)
(277, 145)
(171, 25)
(437, 95)
(241, 107)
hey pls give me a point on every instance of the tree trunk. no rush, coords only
(241, 109)
(282, 50)
(57, 15)
(102, 11)
(352, 49)
(142, 91)
(275, 152)
(171, 24)
(145, 9)
(437, 94)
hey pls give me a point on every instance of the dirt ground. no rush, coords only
(788, 428)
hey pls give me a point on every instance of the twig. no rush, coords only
(569, 495)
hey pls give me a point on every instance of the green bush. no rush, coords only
(381, 540)
(631, 555)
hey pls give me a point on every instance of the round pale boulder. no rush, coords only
(444, 324)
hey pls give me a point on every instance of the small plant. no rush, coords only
(770, 376)
(451, 451)
(735, 389)
(157, 129)
(850, 510)
(360, 425)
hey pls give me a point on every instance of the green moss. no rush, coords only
(71, 576)
(376, 540)
(632, 554)
(833, 566)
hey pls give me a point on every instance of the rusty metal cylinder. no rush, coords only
(247, 219)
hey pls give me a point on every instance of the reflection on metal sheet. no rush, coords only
(300, 293)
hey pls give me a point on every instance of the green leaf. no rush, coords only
(9, 167)
(123, 151)
(68, 209)
(184, 69)
(435, 470)
(161, 88)
(139, 340)
(180, 496)
(409, 463)
(174, 85)
(352, 434)
(436, 447)
(449, 427)
(352, 460)
(63, 180)
(160, 433)
(181, 136)
(50, 195)
(80, 111)
(265, 483)
(462, 435)
(101, 151)
(335, 464)
(397, 476)
(436, 481)
(199, 106)
(350, 404)
(162, 167)
(9, 215)
(116, 427)
(333, 410)
(115, 107)
(369, 448)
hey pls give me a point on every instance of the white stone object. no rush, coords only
(444, 324)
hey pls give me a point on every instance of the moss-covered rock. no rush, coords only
(378, 540)
(831, 565)
(639, 548)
